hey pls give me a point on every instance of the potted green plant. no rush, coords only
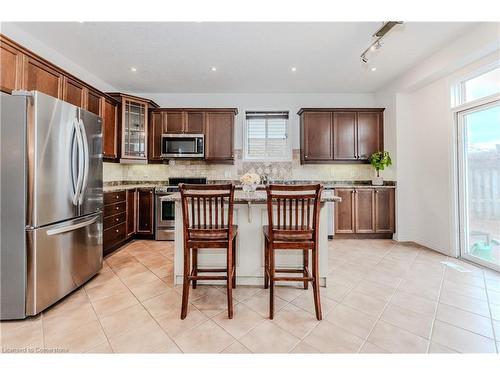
(380, 160)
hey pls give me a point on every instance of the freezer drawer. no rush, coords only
(61, 257)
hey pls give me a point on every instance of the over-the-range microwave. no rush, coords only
(182, 146)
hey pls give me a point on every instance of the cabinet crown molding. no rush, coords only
(302, 110)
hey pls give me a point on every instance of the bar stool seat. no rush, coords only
(306, 236)
(211, 234)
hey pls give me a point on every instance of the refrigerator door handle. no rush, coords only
(79, 182)
(69, 228)
(73, 168)
(86, 160)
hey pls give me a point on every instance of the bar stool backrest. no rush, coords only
(293, 211)
(207, 210)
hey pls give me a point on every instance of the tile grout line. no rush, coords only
(99, 321)
(436, 310)
(491, 315)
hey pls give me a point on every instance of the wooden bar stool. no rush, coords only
(293, 216)
(208, 224)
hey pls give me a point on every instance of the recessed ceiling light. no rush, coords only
(294, 69)
(213, 68)
(133, 69)
(373, 69)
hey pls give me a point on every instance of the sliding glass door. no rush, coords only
(479, 183)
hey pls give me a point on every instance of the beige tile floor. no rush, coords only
(381, 297)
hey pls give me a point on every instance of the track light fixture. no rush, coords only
(379, 34)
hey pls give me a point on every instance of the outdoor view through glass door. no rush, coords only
(479, 159)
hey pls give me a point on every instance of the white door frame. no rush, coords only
(462, 190)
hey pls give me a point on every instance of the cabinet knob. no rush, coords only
(305, 156)
(117, 196)
(116, 230)
(117, 219)
(117, 208)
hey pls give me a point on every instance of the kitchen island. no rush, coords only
(250, 214)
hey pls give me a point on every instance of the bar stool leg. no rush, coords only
(317, 300)
(229, 279)
(195, 266)
(234, 262)
(185, 284)
(271, 281)
(306, 265)
(266, 263)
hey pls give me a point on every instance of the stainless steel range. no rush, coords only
(165, 211)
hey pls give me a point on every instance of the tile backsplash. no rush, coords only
(283, 170)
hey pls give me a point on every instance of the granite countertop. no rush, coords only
(111, 188)
(122, 185)
(259, 196)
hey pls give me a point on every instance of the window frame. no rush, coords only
(458, 87)
(288, 143)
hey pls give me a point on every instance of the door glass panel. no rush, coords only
(135, 130)
(481, 171)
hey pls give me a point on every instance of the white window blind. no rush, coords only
(267, 136)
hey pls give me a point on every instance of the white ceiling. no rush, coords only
(249, 57)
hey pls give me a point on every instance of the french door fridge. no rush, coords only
(51, 201)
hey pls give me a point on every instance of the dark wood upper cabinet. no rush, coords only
(145, 211)
(384, 210)
(174, 122)
(344, 211)
(195, 122)
(340, 135)
(317, 136)
(109, 129)
(74, 92)
(41, 77)
(364, 203)
(94, 103)
(370, 134)
(11, 67)
(344, 135)
(219, 137)
(184, 121)
(156, 129)
(133, 127)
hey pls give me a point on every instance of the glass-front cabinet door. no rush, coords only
(134, 130)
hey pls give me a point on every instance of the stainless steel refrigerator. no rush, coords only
(51, 201)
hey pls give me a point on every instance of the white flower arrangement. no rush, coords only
(250, 179)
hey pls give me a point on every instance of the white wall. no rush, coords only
(35, 45)
(253, 102)
(419, 115)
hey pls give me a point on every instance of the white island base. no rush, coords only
(250, 217)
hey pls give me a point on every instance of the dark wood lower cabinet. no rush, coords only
(145, 211)
(364, 210)
(131, 212)
(344, 211)
(127, 214)
(384, 211)
(365, 213)
(114, 220)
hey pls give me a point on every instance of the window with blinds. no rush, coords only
(267, 136)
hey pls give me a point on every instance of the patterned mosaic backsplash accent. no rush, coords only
(282, 170)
